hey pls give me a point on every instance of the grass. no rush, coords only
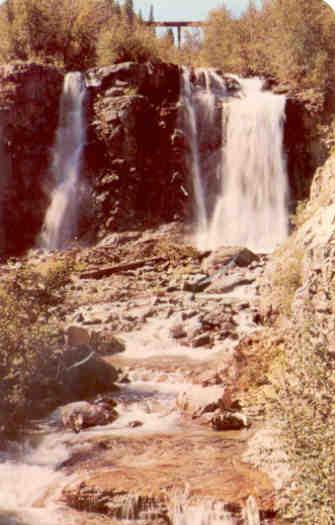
(286, 277)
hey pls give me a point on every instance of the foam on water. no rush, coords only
(61, 218)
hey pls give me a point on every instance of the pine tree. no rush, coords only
(128, 11)
(151, 14)
(117, 9)
(152, 19)
(140, 17)
(170, 36)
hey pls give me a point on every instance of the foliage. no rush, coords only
(286, 276)
(221, 47)
(282, 39)
(304, 403)
(30, 333)
(58, 31)
(190, 52)
(122, 42)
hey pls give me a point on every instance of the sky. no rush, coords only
(191, 9)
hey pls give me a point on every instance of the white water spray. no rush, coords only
(251, 209)
(191, 130)
(249, 205)
(209, 512)
(199, 98)
(61, 219)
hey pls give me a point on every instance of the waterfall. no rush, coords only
(251, 208)
(191, 130)
(200, 89)
(209, 512)
(241, 197)
(61, 218)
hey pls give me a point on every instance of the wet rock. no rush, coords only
(229, 421)
(198, 284)
(202, 340)
(210, 379)
(80, 415)
(135, 424)
(178, 331)
(109, 344)
(83, 373)
(77, 336)
(199, 400)
(241, 257)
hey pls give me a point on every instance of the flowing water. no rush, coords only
(61, 218)
(200, 90)
(240, 193)
(249, 207)
(31, 474)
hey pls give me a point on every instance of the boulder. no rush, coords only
(225, 256)
(178, 331)
(107, 343)
(197, 284)
(80, 415)
(202, 340)
(199, 400)
(229, 421)
(77, 336)
(84, 374)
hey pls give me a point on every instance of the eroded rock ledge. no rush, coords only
(135, 172)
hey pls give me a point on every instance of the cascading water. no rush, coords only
(60, 222)
(199, 119)
(248, 205)
(251, 209)
(191, 123)
(209, 512)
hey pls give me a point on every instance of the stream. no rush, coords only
(153, 409)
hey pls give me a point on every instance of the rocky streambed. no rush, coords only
(172, 443)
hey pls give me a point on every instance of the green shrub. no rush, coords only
(305, 393)
(286, 276)
(122, 43)
(30, 336)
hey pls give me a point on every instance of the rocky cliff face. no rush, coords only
(309, 116)
(135, 159)
(29, 95)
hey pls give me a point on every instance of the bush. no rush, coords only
(30, 336)
(282, 39)
(286, 277)
(122, 43)
(63, 32)
(304, 404)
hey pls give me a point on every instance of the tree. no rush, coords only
(221, 41)
(117, 10)
(61, 31)
(128, 11)
(120, 42)
(151, 14)
(170, 36)
(140, 17)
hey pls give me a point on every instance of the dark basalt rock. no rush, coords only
(29, 97)
(133, 162)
